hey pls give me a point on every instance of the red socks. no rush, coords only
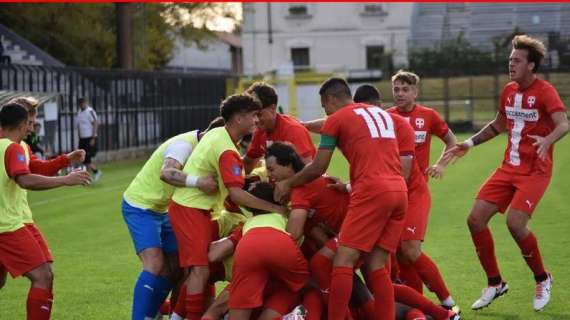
(485, 247)
(321, 271)
(194, 306)
(428, 272)
(39, 304)
(408, 296)
(410, 277)
(340, 291)
(180, 307)
(313, 303)
(381, 287)
(531, 254)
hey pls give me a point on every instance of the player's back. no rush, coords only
(366, 136)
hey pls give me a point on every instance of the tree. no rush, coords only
(85, 34)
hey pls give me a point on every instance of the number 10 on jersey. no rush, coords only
(379, 122)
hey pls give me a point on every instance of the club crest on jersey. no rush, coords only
(531, 101)
(236, 170)
(21, 158)
(420, 123)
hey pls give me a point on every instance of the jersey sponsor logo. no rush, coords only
(20, 157)
(236, 170)
(530, 115)
(420, 122)
(421, 136)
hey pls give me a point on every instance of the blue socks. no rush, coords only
(150, 291)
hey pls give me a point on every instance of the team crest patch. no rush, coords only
(21, 158)
(236, 170)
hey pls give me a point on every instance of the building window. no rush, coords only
(373, 9)
(299, 10)
(300, 58)
(374, 57)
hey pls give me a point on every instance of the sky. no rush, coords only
(226, 24)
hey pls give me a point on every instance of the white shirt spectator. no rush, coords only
(85, 119)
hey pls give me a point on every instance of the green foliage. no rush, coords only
(84, 34)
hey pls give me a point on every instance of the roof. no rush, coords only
(229, 38)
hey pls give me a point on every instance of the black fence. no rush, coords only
(135, 109)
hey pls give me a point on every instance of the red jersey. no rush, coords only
(15, 161)
(406, 143)
(425, 122)
(46, 167)
(528, 112)
(366, 136)
(287, 129)
(325, 205)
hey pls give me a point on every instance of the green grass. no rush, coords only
(96, 268)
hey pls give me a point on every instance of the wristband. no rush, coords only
(470, 143)
(191, 181)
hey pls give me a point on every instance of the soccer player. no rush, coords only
(416, 267)
(374, 221)
(42, 167)
(190, 208)
(425, 121)
(267, 263)
(20, 251)
(273, 126)
(531, 112)
(144, 207)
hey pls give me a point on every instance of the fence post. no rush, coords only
(446, 97)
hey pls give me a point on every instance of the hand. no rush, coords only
(76, 156)
(78, 178)
(92, 141)
(282, 191)
(435, 171)
(455, 152)
(207, 184)
(337, 185)
(542, 145)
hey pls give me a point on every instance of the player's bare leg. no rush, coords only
(478, 221)
(240, 314)
(220, 306)
(517, 222)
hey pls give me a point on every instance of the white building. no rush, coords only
(324, 37)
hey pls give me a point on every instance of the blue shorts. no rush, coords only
(149, 229)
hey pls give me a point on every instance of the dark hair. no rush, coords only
(264, 92)
(12, 115)
(336, 87)
(216, 123)
(534, 47)
(238, 103)
(366, 93)
(81, 100)
(285, 155)
(263, 191)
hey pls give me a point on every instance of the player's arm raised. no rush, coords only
(491, 130)
(561, 128)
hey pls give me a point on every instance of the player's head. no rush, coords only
(368, 94)
(216, 123)
(405, 88)
(282, 161)
(335, 94)
(31, 104)
(268, 98)
(261, 190)
(14, 119)
(525, 58)
(82, 103)
(240, 112)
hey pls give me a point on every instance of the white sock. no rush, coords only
(175, 316)
(449, 302)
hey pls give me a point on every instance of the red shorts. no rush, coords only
(417, 215)
(521, 192)
(374, 220)
(194, 231)
(332, 245)
(263, 255)
(35, 231)
(20, 252)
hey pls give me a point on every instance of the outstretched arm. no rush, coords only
(561, 127)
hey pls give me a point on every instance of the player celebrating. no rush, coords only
(20, 251)
(531, 112)
(373, 224)
(145, 204)
(275, 127)
(190, 208)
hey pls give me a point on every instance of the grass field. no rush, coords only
(96, 268)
